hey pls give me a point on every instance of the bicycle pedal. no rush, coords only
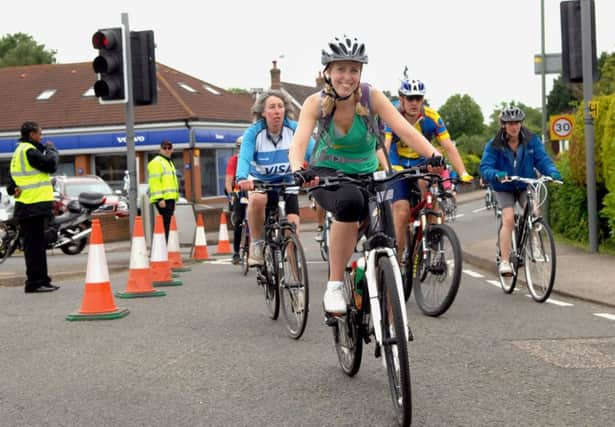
(377, 351)
(330, 320)
(410, 336)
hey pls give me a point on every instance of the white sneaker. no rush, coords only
(505, 269)
(334, 300)
(256, 253)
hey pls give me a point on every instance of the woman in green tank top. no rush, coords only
(348, 146)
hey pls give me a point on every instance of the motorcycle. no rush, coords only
(68, 231)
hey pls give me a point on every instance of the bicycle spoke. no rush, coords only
(540, 261)
(294, 288)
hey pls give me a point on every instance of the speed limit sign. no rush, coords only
(561, 126)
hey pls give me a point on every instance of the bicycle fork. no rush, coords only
(374, 299)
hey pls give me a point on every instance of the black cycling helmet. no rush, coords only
(512, 114)
(28, 127)
(344, 49)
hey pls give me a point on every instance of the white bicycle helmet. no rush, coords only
(512, 114)
(344, 49)
(411, 87)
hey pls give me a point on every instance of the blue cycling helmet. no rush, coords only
(411, 87)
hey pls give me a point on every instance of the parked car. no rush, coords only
(67, 188)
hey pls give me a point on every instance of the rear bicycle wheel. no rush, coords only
(436, 292)
(272, 294)
(540, 261)
(347, 332)
(294, 287)
(394, 342)
(244, 248)
(324, 243)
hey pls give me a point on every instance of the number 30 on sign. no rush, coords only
(560, 126)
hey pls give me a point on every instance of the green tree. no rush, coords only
(22, 49)
(237, 90)
(561, 99)
(462, 116)
(606, 84)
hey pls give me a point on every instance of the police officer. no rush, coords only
(163, 187)
(31, 165)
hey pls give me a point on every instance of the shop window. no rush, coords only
(111, 168)
(66, 166)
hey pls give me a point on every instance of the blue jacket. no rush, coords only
(262, 158)
(531, 154)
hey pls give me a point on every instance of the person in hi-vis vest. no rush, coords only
(163, 186)
(31, 166)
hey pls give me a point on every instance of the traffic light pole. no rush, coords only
(131, 162)
(590, 155)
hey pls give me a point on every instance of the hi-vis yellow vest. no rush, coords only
(35, 185)
(162, 180)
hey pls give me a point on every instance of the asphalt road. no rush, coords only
(207, 355)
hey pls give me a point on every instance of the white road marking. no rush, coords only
(484, 208)
(494, 283)
(473, 274)
(605, 315)
(555, 302)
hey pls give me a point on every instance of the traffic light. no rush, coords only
(110, 64)
(144, 83)
(572, 47)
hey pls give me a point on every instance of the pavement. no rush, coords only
(580, 274)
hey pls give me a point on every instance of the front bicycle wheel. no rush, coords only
(436, 292)
(540, 261)
(272, 294)
(347, 332)
(394, 341)
(294, 287)
(244, 248)
(8, 241)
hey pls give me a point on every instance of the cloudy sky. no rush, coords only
(483, 48)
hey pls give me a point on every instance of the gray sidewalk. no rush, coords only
(582, 275)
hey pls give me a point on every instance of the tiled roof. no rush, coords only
(299, 92)
(69, 108)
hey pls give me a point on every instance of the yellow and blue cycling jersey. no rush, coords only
(432, 127)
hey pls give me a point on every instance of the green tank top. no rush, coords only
(354, 153)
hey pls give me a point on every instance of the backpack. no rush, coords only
(373, 123)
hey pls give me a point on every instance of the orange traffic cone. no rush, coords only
(174, 254)
(98, 302)
(139, 274)
(159, 261)
(224, 246)
(199, 249)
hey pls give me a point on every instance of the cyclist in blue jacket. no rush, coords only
(264, 156)
(514, 151)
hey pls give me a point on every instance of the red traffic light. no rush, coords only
(105, 39)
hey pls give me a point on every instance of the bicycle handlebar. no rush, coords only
(531, 181)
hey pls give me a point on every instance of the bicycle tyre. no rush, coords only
(9, 242)
(346, 333)
(272, 291)
(394, 342)
(294, 287)
(433, 296)
(244, 248)
(324, 243)
(407, 261)
(540, 270)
